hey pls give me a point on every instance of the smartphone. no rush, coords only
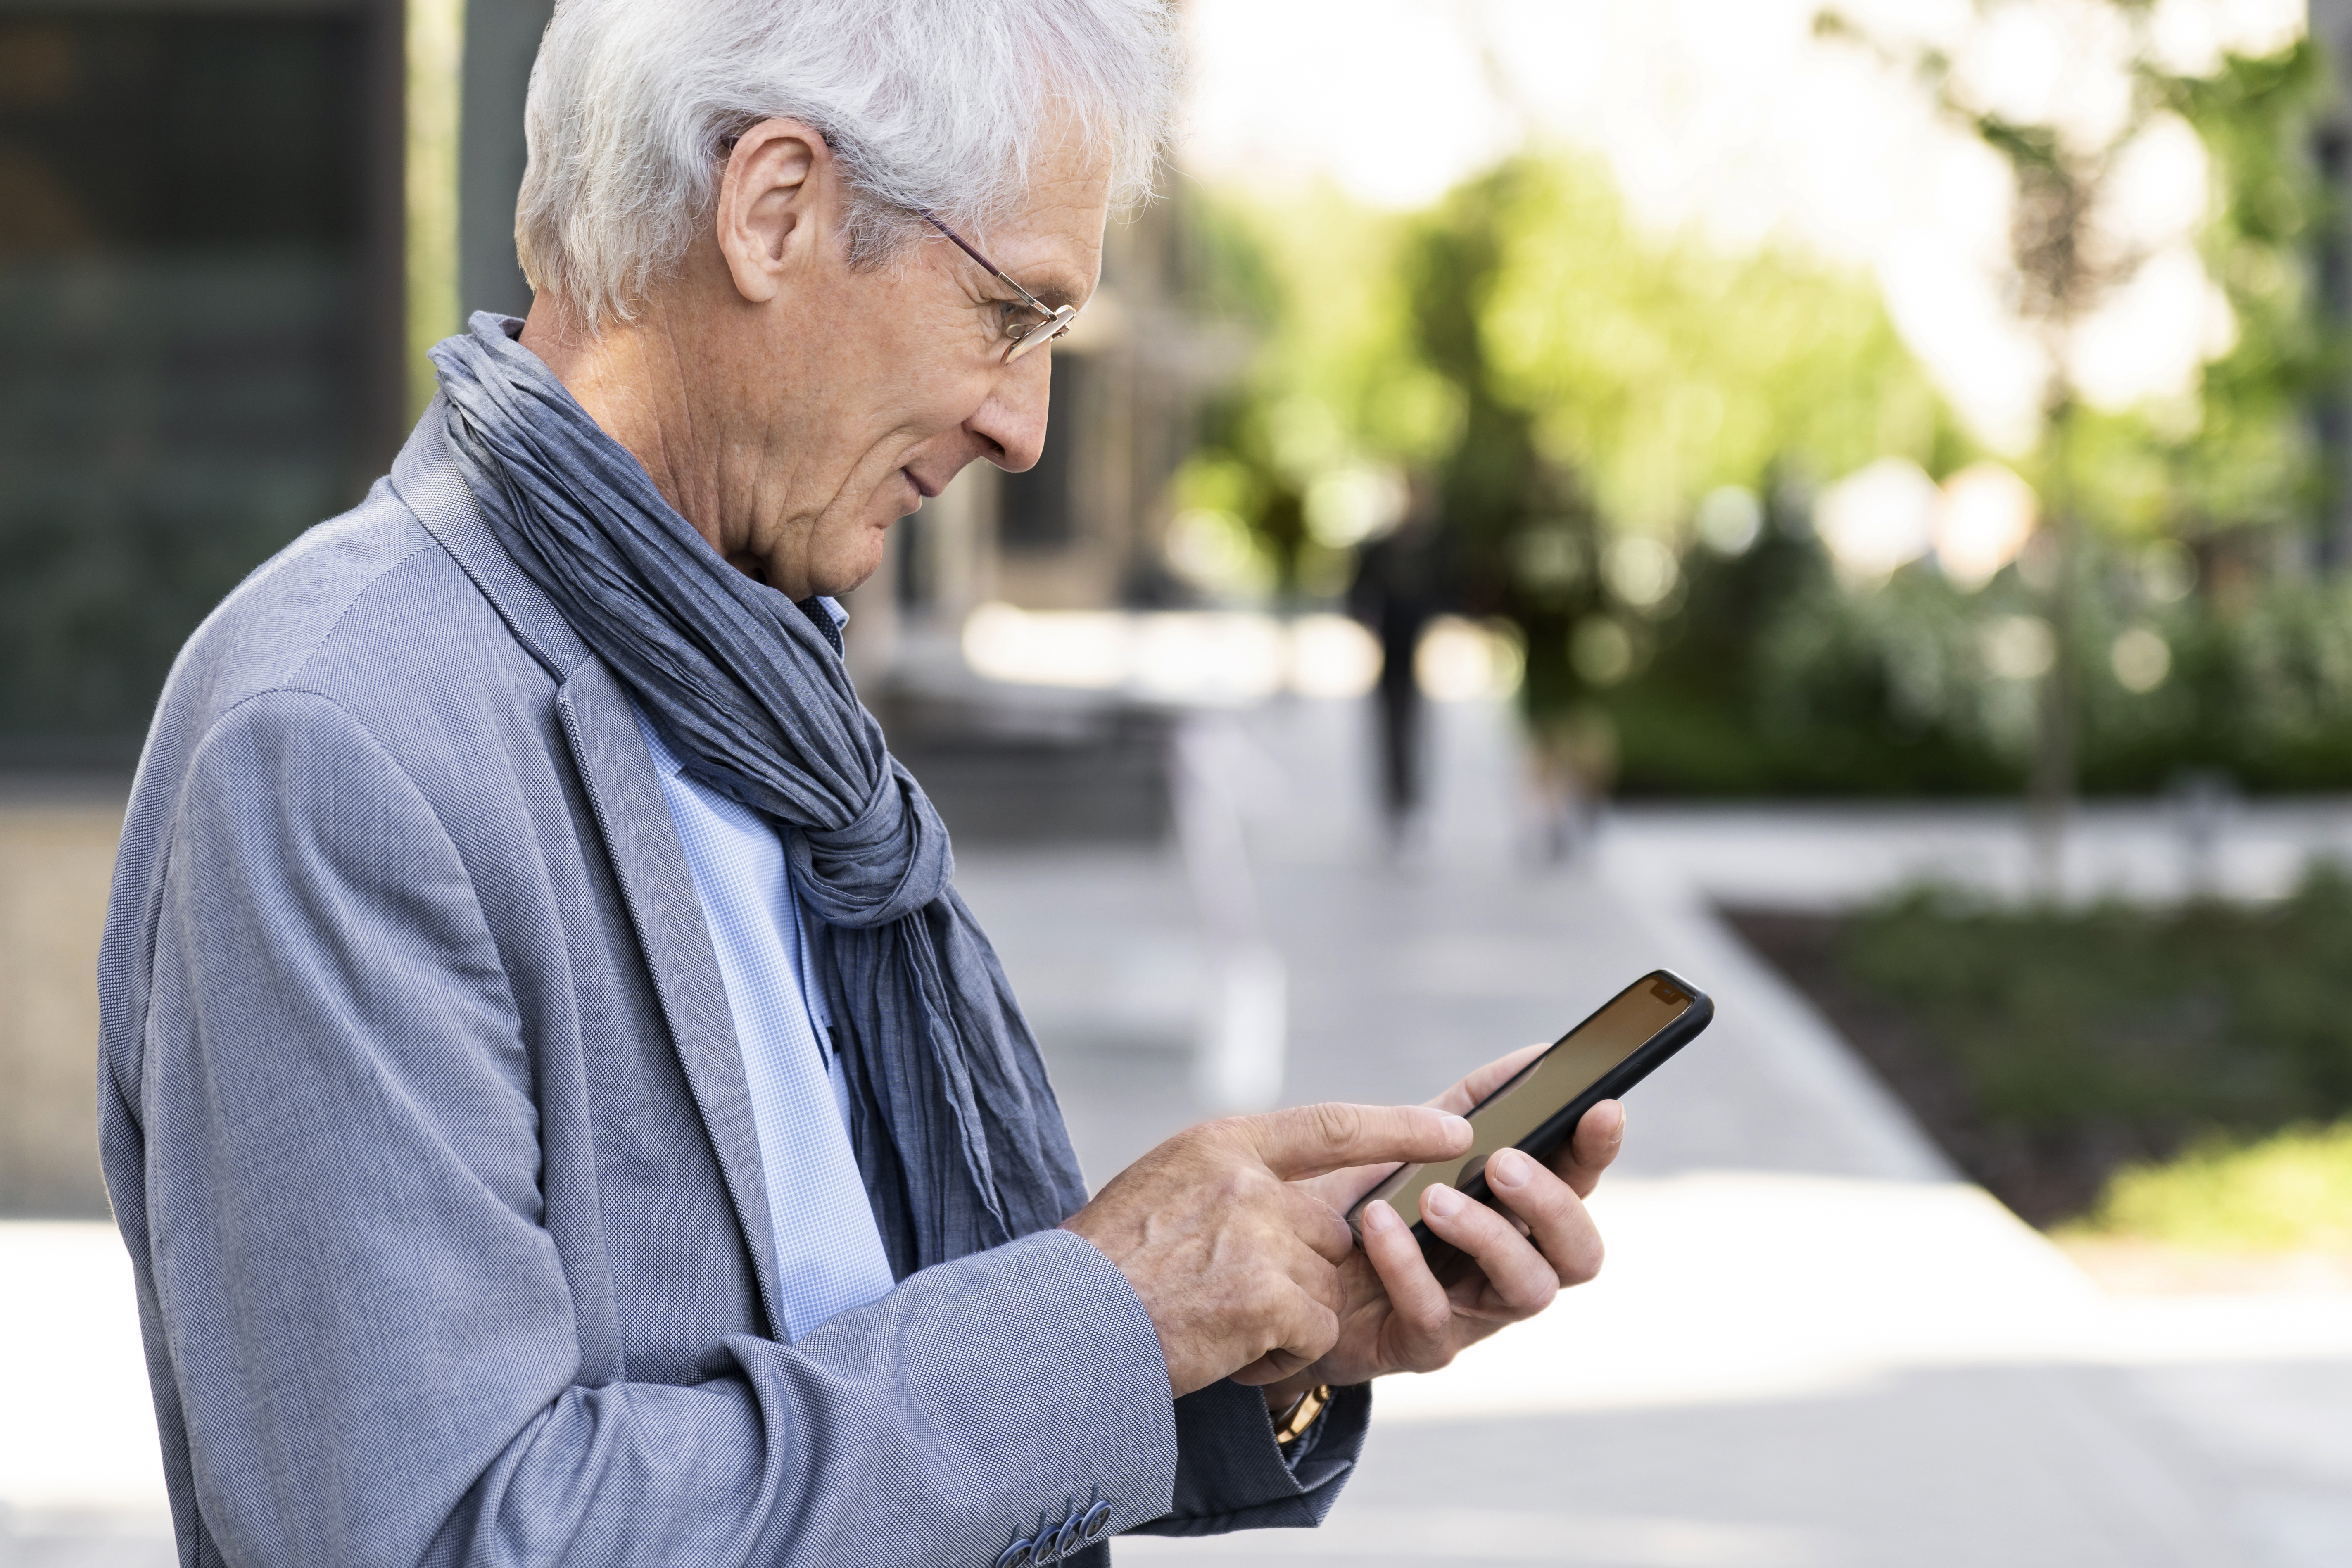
(1539, 1109)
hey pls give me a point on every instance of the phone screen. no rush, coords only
(1581, 1058)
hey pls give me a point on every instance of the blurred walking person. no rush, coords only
(1398, 590)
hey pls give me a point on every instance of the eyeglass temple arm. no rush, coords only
(993, 271)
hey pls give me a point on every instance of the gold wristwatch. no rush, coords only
(1292, 1423)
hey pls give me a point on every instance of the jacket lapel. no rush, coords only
(666, 911)
(640, 839)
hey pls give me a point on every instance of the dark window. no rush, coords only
(186, 379)
(1037, 511)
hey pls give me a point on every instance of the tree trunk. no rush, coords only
(2052, 783)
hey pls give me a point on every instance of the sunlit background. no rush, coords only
(1851, 498)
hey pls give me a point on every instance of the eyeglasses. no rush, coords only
(1024, 336)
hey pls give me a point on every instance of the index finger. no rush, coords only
(1309, 1140)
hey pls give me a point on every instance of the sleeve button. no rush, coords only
(1097, 1521)
(1073, 1533)
(1020, 1554)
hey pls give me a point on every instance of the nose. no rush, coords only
(1011, 425)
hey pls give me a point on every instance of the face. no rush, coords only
(827, 402)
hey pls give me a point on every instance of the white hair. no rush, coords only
(935, 106)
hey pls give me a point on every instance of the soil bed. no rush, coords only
(2046, 1176)
(2044, 1048)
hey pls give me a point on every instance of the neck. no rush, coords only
(633, 380)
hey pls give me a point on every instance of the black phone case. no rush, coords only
(1546, 1139)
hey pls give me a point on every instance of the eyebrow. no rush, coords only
(1058, 286)
(1058, 292)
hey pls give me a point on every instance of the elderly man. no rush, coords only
(558, 1106)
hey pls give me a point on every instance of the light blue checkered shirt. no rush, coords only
(829, 1255)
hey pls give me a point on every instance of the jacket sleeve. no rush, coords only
(1232, 1475)
(367, 1329)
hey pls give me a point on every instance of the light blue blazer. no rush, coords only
(426, 1127)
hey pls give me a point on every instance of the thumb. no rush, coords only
(1308, 1140)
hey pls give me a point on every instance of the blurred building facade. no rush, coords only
(200, 222)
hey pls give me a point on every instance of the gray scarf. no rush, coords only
(958, 1137)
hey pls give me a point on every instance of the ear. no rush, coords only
(777, 186)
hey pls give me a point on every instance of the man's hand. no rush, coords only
(1236, 1257)
(1397, 1315)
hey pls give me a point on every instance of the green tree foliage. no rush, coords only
(1579, 390)
(2239, 456)
(2248, 458)
(1319, 280)
(1318, 285)
(1662, 367)
(1570, 378)
(1899, 690)
(1610, 380)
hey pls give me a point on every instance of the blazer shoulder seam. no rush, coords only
(291, 679)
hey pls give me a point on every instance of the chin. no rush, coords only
(854, 565)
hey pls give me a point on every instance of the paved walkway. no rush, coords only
(1812, 1346)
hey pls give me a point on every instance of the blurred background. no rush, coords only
(1851, 500)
